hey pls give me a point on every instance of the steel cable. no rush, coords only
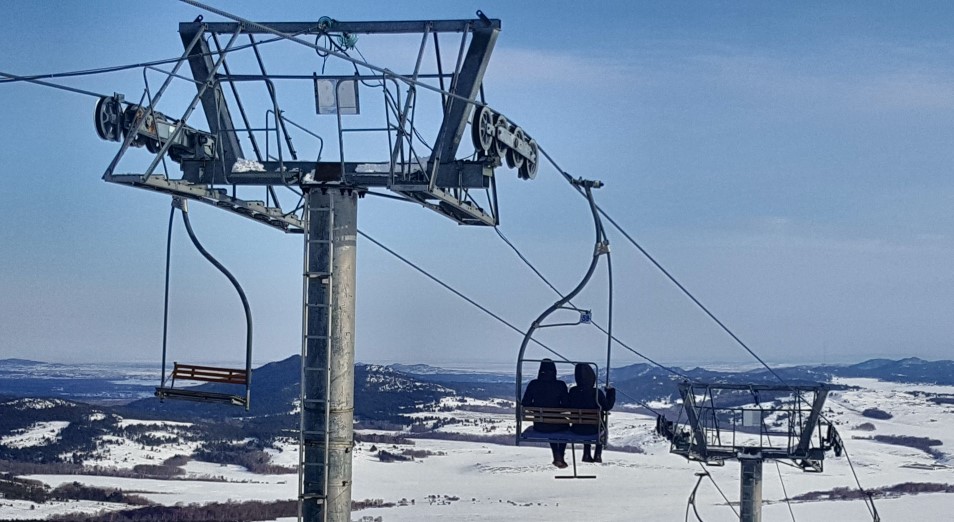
(594, 323)
(484, 309)
(788, 501)
(716, 484)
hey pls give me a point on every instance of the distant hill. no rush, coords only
(80, 424)
(384, 393)
(911, 369)
(19, 362)
(482, 385)
(381, 394)
(434, 373)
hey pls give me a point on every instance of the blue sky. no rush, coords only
(790, 164)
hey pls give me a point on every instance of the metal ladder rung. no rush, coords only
(315, 442)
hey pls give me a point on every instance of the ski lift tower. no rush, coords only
(226, 66)
(752, 423)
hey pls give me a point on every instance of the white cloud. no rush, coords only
(530, 67)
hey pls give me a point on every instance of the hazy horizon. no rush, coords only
(489, 366)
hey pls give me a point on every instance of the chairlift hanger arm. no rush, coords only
(208, 374)
(600, 246)
(600, 241)
(238, 287)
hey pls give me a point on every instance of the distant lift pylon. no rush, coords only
(752, 423)
(222, 383)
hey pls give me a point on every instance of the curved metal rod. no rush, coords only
(165, 299)
(609, 320)
(692, 497)
(598, 250)
(238, 288)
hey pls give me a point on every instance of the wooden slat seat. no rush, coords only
(210, 374)
(565, 416)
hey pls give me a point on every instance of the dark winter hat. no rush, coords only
(547, 370)
(585, 376)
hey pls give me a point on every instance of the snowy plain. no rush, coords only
(474, 481)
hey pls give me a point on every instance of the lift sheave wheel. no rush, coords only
(494, 136)
(483, 130)
(514, 157)
(501, 126)
(107, 118)
(529, 168)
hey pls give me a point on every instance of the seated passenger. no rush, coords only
(584, 395)
(546, 391)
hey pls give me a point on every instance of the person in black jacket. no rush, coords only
(546, 391)
(585, 396)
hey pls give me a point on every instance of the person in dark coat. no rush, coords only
(546, 391)
(584, 395)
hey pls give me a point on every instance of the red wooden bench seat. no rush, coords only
(210, 374)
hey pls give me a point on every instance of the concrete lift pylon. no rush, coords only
(329, 190)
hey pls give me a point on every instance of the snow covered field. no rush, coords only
(38, 434)
(480, 481)
(25, 510)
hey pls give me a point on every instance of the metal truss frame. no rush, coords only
(461, 189)
(714, 428)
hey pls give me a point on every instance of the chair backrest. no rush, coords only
(209, 374)
(578, 416)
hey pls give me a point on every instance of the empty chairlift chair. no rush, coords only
(229, 377)
(223, 385)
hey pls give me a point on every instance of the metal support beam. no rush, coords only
(213, 98)
(750, 498)
(698, 434)
(386, 27)
(327, 398)
(468, 86)
(218, 197)
(459, 174)
(818, 403)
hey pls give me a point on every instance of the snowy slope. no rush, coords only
(38, 434)
(474, 481)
